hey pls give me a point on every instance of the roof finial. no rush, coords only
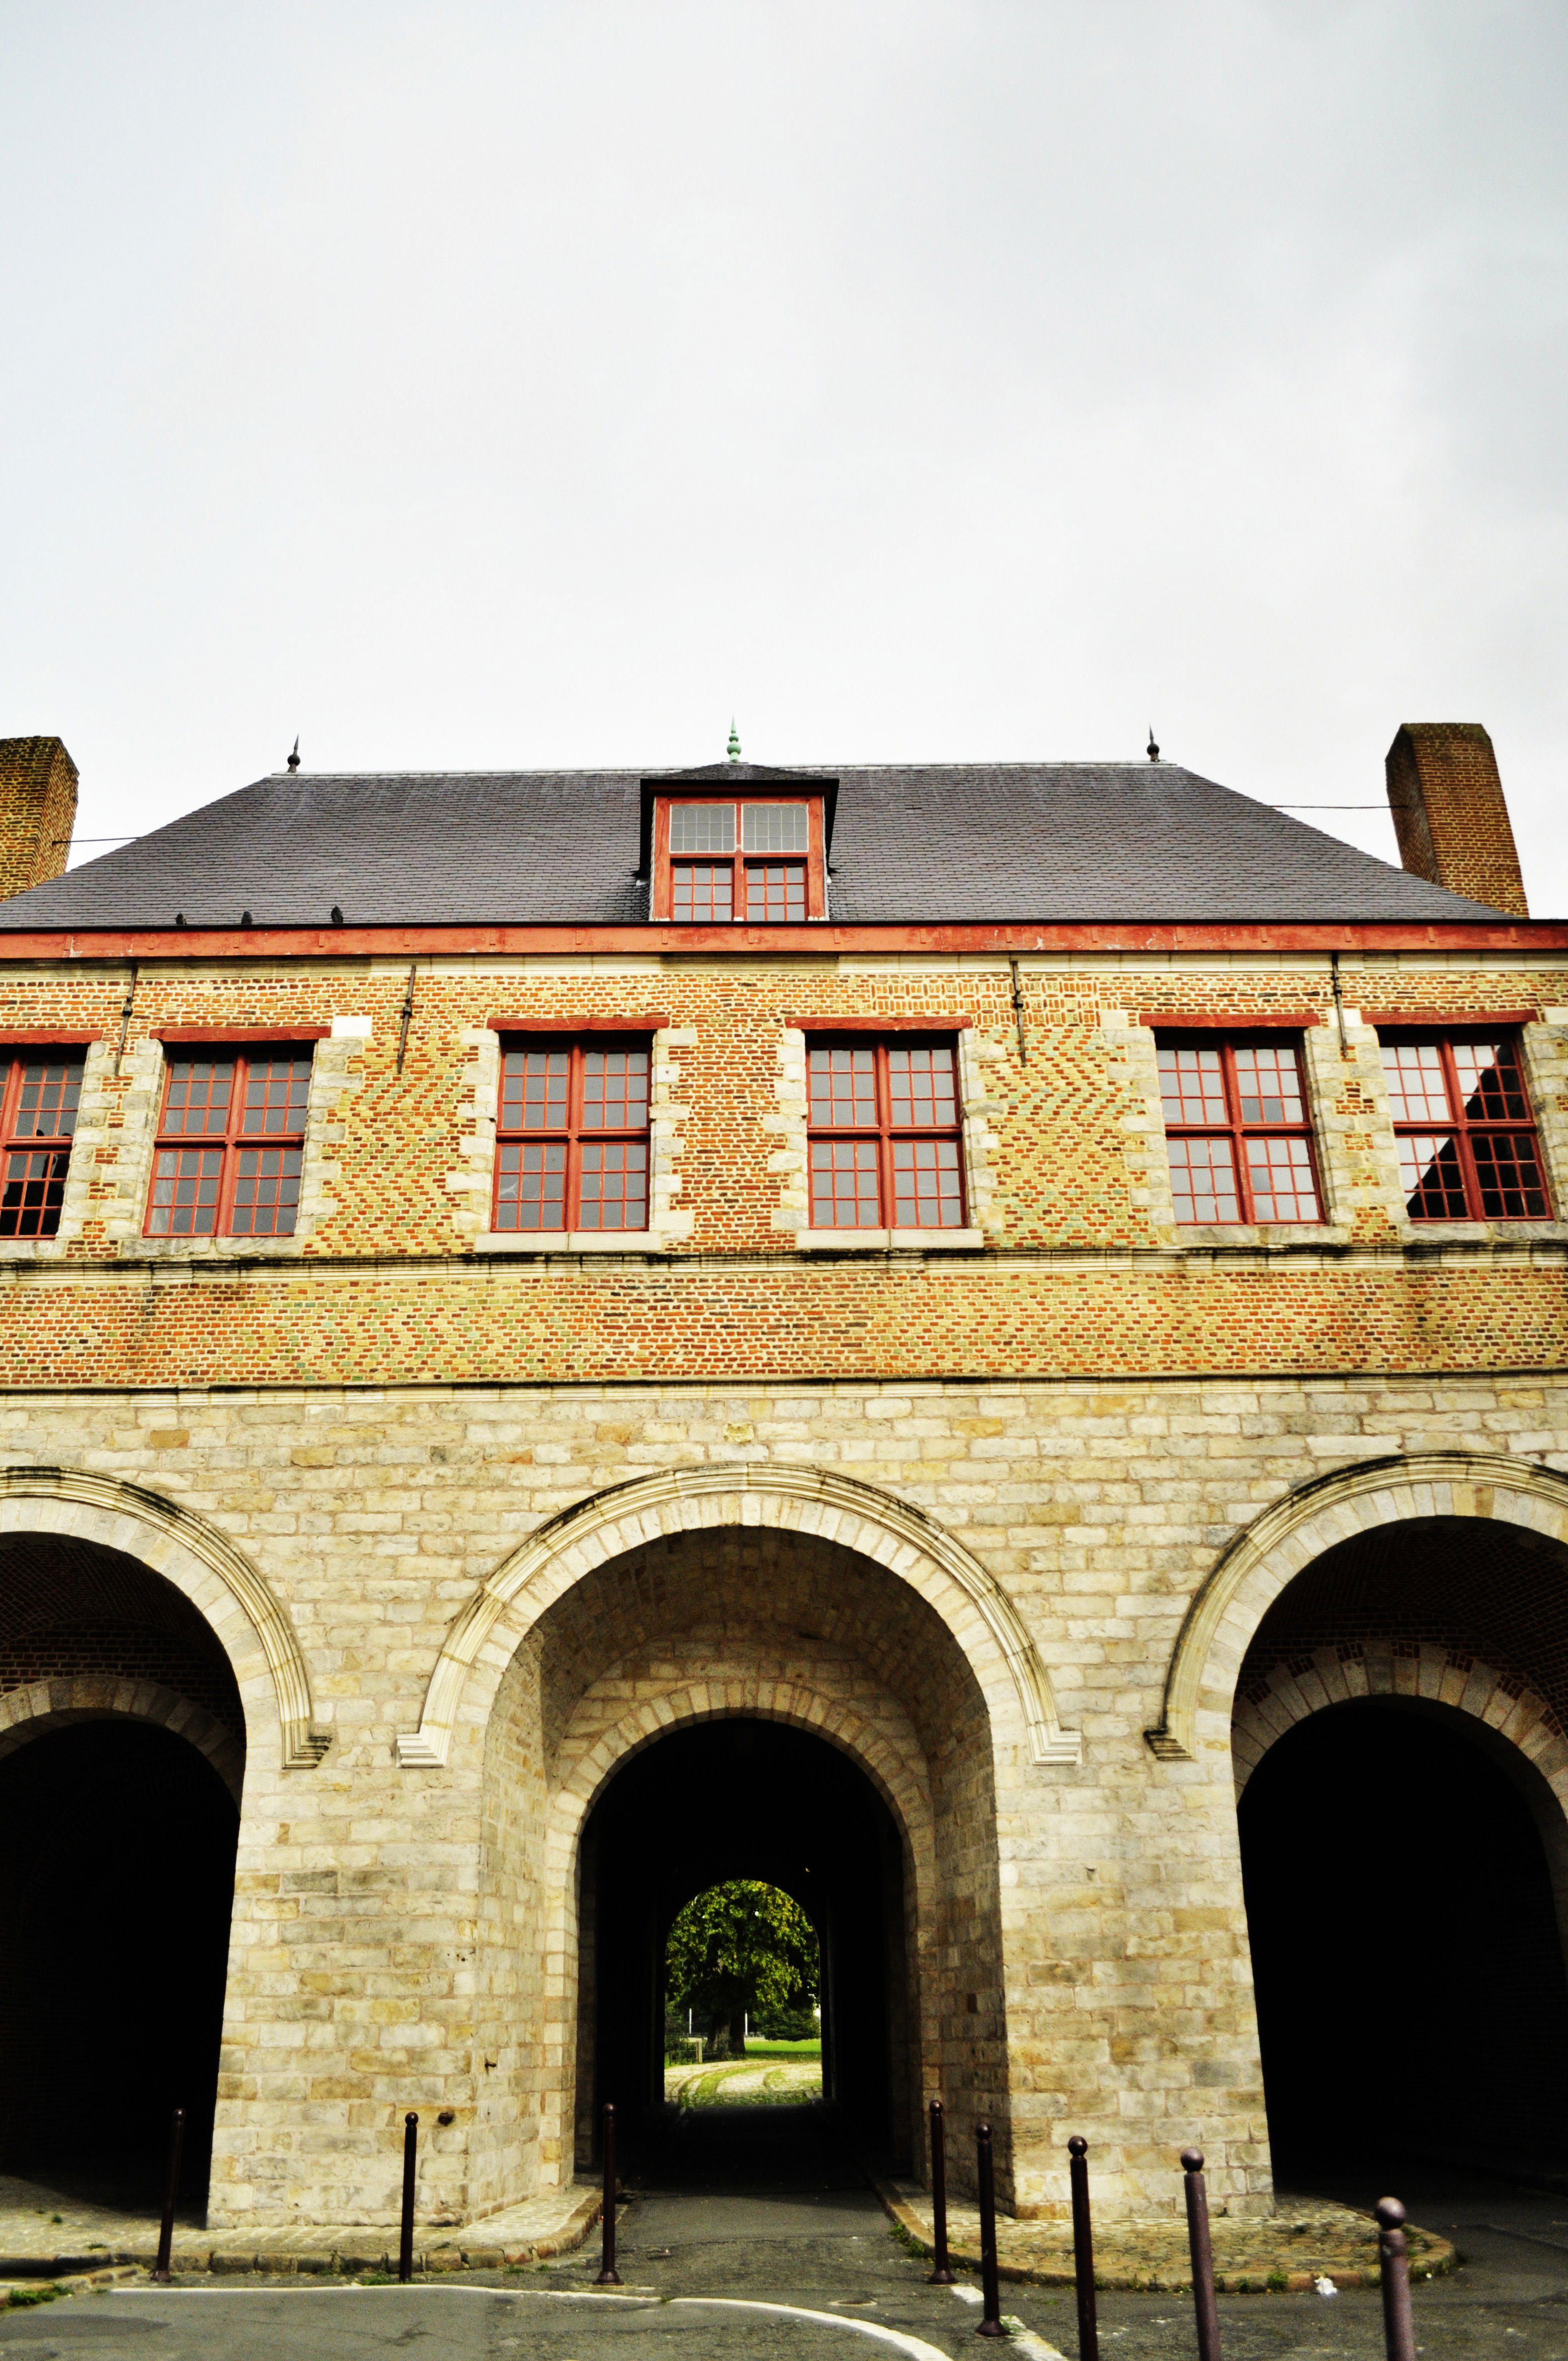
(1153, 746)
(294, 757)
(734, 741)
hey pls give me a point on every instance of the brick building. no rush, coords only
(915, 1332)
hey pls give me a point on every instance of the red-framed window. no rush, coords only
(572, 1136)
(1468, 1148)
(885, 1134)
(230, 1144)
(1237, 1129)
(37, 1117)
(751, 858)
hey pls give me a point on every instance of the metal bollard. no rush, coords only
(608, 2276)
(406, 2239)
(1202, 2255)
(942, 2275)
(1084, 2251)
(171, 2190)
(1398, 2329)
(991, 2315)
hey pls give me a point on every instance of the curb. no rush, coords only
(347, 2255)
(1430, 2257)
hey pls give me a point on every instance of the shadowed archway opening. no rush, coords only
(741, 1798)
(122, 1748)
(1412, 2004)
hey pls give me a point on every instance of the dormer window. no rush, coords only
(755, 858)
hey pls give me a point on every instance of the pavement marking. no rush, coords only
(915, 2346)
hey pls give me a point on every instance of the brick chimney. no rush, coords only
(38, 811)
(1449, 814)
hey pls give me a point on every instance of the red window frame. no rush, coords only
(228, 1162)
(776, 888)
(1473, 1162)
(38, 1107)
(872, 1138)
(1231, 1123)
(567, 1080)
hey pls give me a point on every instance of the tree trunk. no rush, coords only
(738, 2034)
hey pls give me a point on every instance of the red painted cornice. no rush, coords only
(198, 943)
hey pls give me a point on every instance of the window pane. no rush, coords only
(34, 1191)
(1490, 1081)
(46, 1103)
(1417, 1092)
(530, 1185)
(1192, 1087)
(921, 1088)
(1268, 1085)
(1283, 1189)
(843, 1088)
(704, 828)
(185, 1193)
(266, 1191)
(533, 1090)
(926, 1190)
(1434, 1180)
(776, 890)
(277, 1091)
(614, 1189)
(198, 1094)
(1509, 1173)
(844, 1183)
(1203, 1179)
(615, 1090)
(772, 828)
(704, 889)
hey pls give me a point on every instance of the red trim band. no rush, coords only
(652, 1020)
(46, 1041)
(1235, 1020)
(220, 1036)
(856, 1023)
(1449, 1020)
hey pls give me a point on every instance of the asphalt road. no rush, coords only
(837, 2287)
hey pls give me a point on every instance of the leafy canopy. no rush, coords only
(741, 1945)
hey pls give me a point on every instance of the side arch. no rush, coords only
(203, 1563)
(891, 1533)
(1290, 1534)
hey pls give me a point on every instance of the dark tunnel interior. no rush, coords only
(1411, 1997)
(745, 1798)
(116, 1882)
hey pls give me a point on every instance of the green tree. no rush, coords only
(739, 1947)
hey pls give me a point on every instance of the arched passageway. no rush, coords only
(736, 1701)
(741, 1798)
(1399, 1753)
(121, 1755)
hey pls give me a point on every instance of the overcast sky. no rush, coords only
(537, 384)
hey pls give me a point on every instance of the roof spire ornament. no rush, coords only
(1153, 748)
(734, 741)
(294, 757)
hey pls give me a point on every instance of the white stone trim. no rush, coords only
(889, 1241)
(1545, 1049)
(1259, 1564)
(979, 1613)
(472, 1182)
(791, 1160)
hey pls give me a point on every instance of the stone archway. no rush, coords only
(1286, 1538)
(857, 1517)
(212, 1573)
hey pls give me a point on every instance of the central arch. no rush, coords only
(813, 1501)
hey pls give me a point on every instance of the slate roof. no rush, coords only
(1030, 842)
